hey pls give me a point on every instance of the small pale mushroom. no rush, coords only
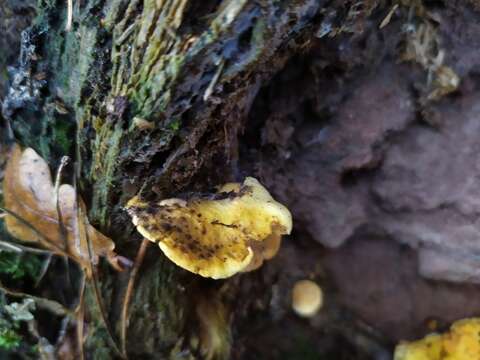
(218, 235)
(307, 298)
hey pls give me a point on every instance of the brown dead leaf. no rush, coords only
(29, 193)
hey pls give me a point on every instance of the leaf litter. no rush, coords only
(53, 216)
(33, 215)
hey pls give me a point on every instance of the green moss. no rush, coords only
(258, 38)
(19, 266)
(158, 293)
(106, 150)
(78, 58)
(11, 315)
(9, 338)
(112, 11)
(174, 125)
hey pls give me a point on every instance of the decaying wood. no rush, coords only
(188, 69)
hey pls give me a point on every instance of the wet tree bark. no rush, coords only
(149, 96)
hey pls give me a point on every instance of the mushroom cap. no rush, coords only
(213, 236)
(460, 343)
(307, 298)
(264, 250)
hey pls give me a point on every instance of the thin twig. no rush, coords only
(10, 247)
(126, 34)
(10, 135)
(82, 287)
(68, 26)
(388, 18)
(58, 179)
(61, 226)
(214, 80)
(80, 312)
(44, 269)
(98, 297)
(63, 330)
(80, 318)
(23, 248)
(95, 282)
(51, 305)
(75, 225)
(128, 293)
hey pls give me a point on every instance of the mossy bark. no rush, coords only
(148, 96)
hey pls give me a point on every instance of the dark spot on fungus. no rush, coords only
(133, 209)
(216, 222)
(166, 226)
(151, 210)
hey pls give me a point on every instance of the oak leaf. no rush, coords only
(36, 216)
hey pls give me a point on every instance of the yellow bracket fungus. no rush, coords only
(218, 235)
(460, 343)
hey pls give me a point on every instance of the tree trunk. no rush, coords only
(149, 97)
(360, 116)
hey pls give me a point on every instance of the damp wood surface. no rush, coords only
(359, 116)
